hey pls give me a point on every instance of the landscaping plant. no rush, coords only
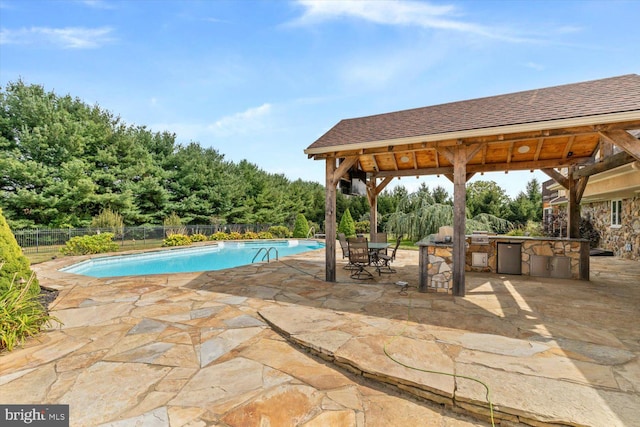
(347, 225)
(220, 235)
(177, 240)
(21, 314)
(108, 219)
(301, 227)
(279, 231)
(198, 237)
(92, 244)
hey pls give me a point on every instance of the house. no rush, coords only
(610, 205)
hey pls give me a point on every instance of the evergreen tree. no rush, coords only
(347, 225)
(301, 227)
(16, 265)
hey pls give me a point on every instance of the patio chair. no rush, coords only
(359, 258)
(344, 245)
(384, 260)
(379, 238)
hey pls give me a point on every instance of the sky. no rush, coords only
(262, 80)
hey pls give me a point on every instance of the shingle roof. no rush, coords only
(592, 98)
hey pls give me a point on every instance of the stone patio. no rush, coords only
(273, 344)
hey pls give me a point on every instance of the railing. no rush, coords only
(311, 232)
(51, 239)
(266, 254)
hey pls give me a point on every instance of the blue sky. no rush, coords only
(262, 80)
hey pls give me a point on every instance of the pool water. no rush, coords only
(213, 257)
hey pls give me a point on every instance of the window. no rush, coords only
(616, 213)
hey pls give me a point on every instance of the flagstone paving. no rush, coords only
(275, 345)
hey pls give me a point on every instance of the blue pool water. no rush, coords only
(204, 258)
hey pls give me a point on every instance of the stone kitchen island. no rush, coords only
(528, 256)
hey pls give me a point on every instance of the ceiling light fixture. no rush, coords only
(404, 159)
(523, 149)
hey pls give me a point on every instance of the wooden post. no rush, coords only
(573, 226)
(372, 197)
(459, 219)
(330, 221)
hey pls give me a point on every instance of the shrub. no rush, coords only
(363, 227)
(589, 232)
(177, 240)
(250, 235)
(15, 263)
(110, 220)
(21, 315)
(531, 228)
(279, 231)
(220, 235)
(301, 227)
(90, 244)
(198, 237)
(265, 235)
(347, 226)
(173, 225)
(234, 235)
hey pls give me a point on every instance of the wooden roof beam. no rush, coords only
(343, 169)
(611, 162)
(557, 177)
(497, 167)
(416, 172)
(528, 165)
(624, 140)
(473, 150)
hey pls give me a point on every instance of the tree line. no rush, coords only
(63, 161)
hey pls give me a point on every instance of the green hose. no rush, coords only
(386, 352)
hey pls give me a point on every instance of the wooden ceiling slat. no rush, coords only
(567, 147)
(510, 152)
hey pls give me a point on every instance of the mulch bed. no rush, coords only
(47, 296)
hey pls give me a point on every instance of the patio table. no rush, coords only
(375, 248)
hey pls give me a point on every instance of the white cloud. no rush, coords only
(97, 4)
(67, 38)
(535, 66)
(243, 122)
(399, 13)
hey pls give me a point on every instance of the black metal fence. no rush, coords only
(51, 239)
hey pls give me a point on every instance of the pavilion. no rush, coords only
(570, 128)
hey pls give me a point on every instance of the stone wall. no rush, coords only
(439, 262)
(616, 239)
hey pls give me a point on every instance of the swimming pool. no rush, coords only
(212, 257)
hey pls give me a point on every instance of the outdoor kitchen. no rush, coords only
(560, 258)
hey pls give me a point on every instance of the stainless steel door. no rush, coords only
(509, 258)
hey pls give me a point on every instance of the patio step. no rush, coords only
(528, 382)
